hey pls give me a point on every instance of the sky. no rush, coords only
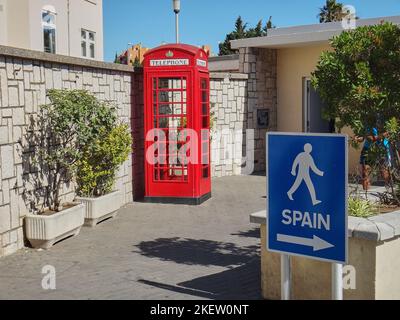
(152, 22)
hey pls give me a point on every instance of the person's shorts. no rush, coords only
(363, 157)
(385, 161)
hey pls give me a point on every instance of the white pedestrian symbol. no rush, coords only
(302, 164)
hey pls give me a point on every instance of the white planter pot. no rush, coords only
(101, 208)
(44, 231)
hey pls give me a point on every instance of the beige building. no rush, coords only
(280, 67)
(66, 27)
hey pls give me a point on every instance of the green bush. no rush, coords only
(98, 165)
(361, 208)
(58, 135)
(359, 79)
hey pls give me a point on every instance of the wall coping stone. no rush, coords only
(61, 59)
(382, 227)
(226, 75)
(224, 58)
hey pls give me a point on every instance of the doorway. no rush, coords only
(313, 106)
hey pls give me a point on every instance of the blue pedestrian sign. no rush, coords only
(307, 194)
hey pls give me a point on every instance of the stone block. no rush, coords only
(3, 88)
(5, 221)
(13, 96)
(14, 208)
(37, 78)
(48, 75)
(4, 138)
(231, 95)
(10, 68)
(6, 192)
(57, 79)
(28, 102)
(18, 116)
(220, 97)
(13, 236)
(27, 80)
(7, 161)
(27, 65)
(224, 101)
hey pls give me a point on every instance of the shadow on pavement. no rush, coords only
(240, 283)
(197, 252)
(252, 233)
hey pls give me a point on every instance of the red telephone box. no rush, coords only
(177, 125)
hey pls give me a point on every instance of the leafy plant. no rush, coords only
(97, 168)
(359, 79)
(67, 125)
(361, 208)
(360, 83)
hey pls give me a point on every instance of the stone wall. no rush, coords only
(228, 99)
(25, 76)
(261, 67)
(237, 100)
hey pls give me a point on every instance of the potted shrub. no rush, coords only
(97, 169)
(55, 141)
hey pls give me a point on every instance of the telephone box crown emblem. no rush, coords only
(169, 54)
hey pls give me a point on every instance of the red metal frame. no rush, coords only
(176, 78)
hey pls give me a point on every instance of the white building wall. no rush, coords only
(35, 24)
(88, 15)
(21, 24)
(17, 23)
(3, 22)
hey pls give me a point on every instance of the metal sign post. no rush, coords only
(286, 281)
(337, 281)
(307, 199)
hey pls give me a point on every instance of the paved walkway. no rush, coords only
(154, 252)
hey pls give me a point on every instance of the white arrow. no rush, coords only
(317, 243)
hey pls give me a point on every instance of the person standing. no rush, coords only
(365, 162)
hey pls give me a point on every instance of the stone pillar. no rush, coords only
(261, 66)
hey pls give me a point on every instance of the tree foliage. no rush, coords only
(136, 63)
(116, 59)
(360, 79)
(360, 83)
(332, 11)
(241, 31)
